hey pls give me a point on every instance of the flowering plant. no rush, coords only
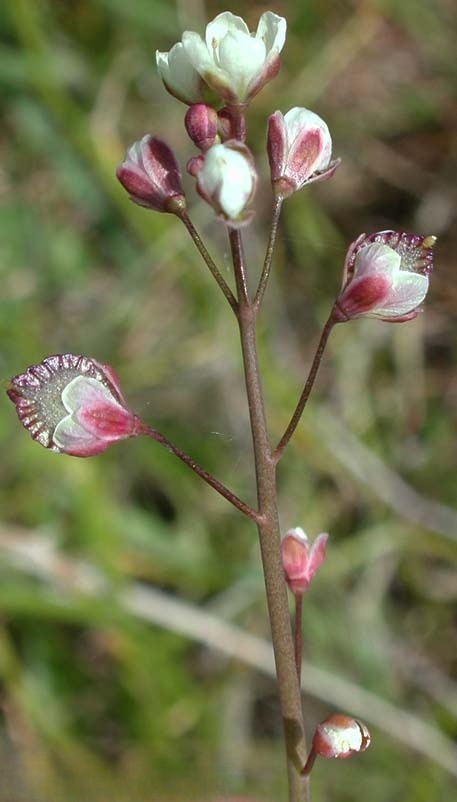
(73, 404)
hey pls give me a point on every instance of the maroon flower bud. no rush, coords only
(201, 123)
(73, 405)
(300, 562)
(151, 176)
(385, 276)
(340, 737)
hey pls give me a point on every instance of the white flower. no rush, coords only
(227, 180)
(232, 61)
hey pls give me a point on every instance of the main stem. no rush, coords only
(270, 542)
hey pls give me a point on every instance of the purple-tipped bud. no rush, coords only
(340, 737)
(299, 150)
(300, 562)
(201, 123)
(228, 180)
(151, 176)
(385, 276)
(72, 405)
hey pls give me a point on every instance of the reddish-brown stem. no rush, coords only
(207, 477)
(309, 763)
(277, 205)
(295, 419)
(236, 245)
(238, 115)
(270, 541)
(208, 260)
(298, 633)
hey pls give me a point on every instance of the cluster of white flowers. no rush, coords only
(217, 76)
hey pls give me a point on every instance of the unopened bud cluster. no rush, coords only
(385, 274)
(217, 76)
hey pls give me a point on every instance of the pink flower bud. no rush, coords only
(194, 165)
(299, 150)
(202, 125)
(385, 276)
(227, 180)
(340, 737)
(151, 176)
(73, 405)
(300, 562)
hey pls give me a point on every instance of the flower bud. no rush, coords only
(227, 180)
(340, 737)
(385, 276)
(233, 62)
(299, 150)
(194, 165)
(300, 562)
(202, 125)
(72, 405)
(151, 176)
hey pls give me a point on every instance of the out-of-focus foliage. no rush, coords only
(98, 701)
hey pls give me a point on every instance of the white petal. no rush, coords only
(197, 52)
(222, 25)
(162, 62)
(377, 259)
(227, 178)
(241, 57)
(406, 295)
(83, 391)
(133, 155)
(272, 30)
(69, 434)
(298, 533)
(236, 189)
(178, 73)
(299, 120)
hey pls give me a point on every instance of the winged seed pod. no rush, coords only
(385, 276)
(72, 405)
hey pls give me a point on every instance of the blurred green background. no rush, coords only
(134, 662)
